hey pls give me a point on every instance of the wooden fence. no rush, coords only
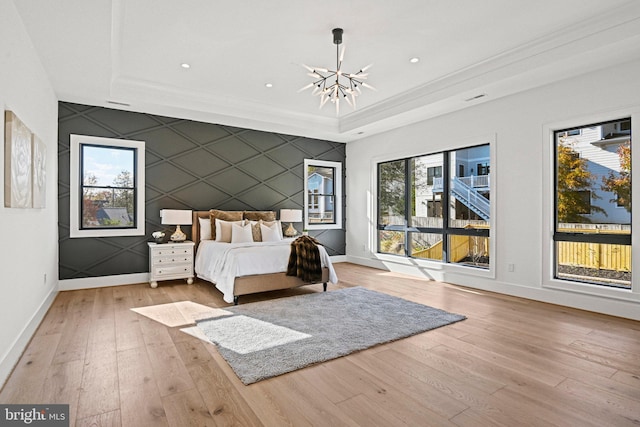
(595, 255)
(600, 256)
(460, 247)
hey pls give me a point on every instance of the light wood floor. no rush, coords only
(513, 362)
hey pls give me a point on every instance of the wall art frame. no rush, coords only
(24, 165)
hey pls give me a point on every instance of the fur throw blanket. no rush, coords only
(304, 260)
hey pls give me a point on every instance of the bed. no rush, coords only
(239, 268)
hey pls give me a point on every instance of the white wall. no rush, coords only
(29, 244)
(520, 126)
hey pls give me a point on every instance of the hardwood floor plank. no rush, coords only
(614, 409)
(25, 383)
(486, 352)
(99, 392)
(546, 411)
(127, 324)
(304, 405)
(186, 408)
(368, 413)
(140, 401)
(442, 364)
(108, 419)
(220, 397)
(561, 360)
(62, 385)
(191, 350)
(430, 397)
(170, 372)
(341, 379)
(608, 356)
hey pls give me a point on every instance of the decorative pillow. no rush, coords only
(241, 233)
(277, 224)
(269, 233)
(259, 215)
(255, 231)
(224, 216)
(205, 228)
(224, 230)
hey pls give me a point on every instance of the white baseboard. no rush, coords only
(101, 282)
(11, 357)
(338, 258)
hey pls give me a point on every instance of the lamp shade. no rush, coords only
(175, 216)
(291, 215)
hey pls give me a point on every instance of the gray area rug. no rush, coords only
(268, 338)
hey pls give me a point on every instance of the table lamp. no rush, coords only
(176, 217)
(290, 216)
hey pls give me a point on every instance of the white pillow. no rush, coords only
(270, 233)
(205, 228)
(223, 230)
(241, 233)
(276, 223)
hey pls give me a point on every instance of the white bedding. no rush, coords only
(220, 263)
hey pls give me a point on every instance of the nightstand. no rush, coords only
(169, 261)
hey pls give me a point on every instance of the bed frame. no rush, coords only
(246, 285)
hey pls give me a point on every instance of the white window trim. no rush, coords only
(75, 180)
(337, 189)
(548, 214)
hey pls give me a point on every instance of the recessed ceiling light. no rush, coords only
(185, 65)
(414, 60)
(268, 85)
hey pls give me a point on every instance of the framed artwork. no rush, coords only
(17, 163)
(38, 172)
(24, 165)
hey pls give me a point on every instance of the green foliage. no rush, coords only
(391, 200)
(620, 182)
(573, 177)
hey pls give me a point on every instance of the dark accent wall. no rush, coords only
(189, 165)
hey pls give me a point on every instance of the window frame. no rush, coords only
(580, 237)
(76, 186)
(447, 230)
(337, 195)
(548, 279)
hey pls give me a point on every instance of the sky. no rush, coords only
(106, 162)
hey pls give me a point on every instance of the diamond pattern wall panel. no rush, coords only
(189, 165)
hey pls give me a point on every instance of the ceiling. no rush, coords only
(127, 54)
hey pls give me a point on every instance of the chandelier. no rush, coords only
(331, 85)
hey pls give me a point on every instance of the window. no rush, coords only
(107, 187)
(433, 172)
(323, 194)
(592, 235)
(428, 208)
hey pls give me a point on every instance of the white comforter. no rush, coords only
(220, 263)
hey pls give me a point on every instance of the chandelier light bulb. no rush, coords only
(334, 84)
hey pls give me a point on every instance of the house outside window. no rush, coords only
(592, 204)
(323, 194)
(412, 220)
(107, 187)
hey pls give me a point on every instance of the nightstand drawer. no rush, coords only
(171, 270)
(173, 259)
(172, 250)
